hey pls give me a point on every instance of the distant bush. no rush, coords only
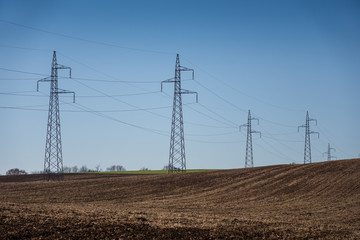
(144, 169)
(115, 168)
(83, 169)
(67, 169)
(16, 171)
(166, 167)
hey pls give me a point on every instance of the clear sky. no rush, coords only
(277, 58)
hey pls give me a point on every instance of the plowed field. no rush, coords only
(320, 200)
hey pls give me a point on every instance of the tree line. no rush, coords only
(82, 169)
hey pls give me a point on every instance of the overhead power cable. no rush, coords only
(116, 99)
(89, 110)
(83, 39)
(237, 90)
(24, 94)
(18, 71)
(25, 48)
(226, 125)
(223, 99)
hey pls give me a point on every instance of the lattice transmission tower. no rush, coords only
(177, 160)
(307, 149)
(328, 152)
(249, 159)
(53, 163)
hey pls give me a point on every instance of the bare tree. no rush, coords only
(75, 169)
(111, 168)
(144, 169)
(97, 168)
(16, 171)
(116, 168)
(120, 168)
(166, 167)
(67, 169)
(83, 169)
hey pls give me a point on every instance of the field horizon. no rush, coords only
(318, 200)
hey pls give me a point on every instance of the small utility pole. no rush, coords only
(307, 149)
(249, 161)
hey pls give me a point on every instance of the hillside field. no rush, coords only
(312, 201)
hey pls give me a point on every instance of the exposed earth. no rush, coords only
(319, 200)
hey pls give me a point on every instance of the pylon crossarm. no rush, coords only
(58, 66)
(244, 125)
(312, 119)
(315, 133)
(256, 120)
(256, 132)
(183, 91)
(301, 127)
(47, 79)
(170, 80)
(61, 91)
(187, 69)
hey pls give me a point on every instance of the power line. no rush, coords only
(219, 115)
(89, 110)
(18, 71)
(218, 96)
(18, 79)
(23, 94)
(326, 134)
(24, 48)
(226, 125)
(75, 78)
(116, 99)
(83, 39)
(235, 89)
(276, 152)
(128, 82)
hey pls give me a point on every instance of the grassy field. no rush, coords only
(312, 201)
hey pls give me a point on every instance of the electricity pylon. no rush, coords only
(328, 153)
(177, 160)
(307, 149)
(249, 161)
(53, 163)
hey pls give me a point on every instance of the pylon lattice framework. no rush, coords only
(177, 160)
(53, 163)
(249, 159)
(307, 148)
(328, 153)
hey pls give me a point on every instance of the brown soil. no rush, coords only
(312, 201)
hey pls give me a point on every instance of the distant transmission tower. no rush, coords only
(249, 161)
(53, 164)
(307, 149)
(328, 153)
(177, 160)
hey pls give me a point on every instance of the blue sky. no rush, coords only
(277, 58)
